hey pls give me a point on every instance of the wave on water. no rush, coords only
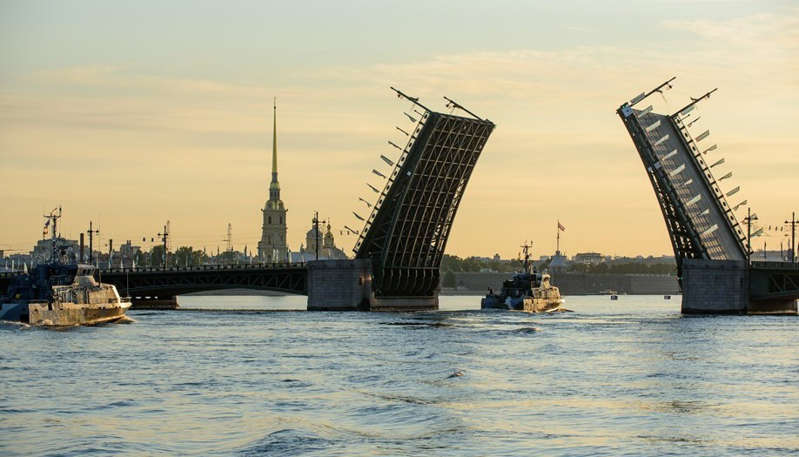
(14, 325)
(527, 330)
(287, 442)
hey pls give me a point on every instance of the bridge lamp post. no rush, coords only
(315, 221)
(748, 219)
(793, 236)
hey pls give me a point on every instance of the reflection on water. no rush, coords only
(629, 377)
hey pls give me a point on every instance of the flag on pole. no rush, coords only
(561, 227)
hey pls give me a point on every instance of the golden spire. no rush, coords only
(274, 186)
(274, 140)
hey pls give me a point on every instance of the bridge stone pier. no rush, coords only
(340, 285)
(346, 285)
(715, 286)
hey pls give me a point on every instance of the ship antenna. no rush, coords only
(526, 249)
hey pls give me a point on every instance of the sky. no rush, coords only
(130, 114)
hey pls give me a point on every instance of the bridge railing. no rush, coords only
(249, 266)
(775, 265)
(710, 179)
(390, 182)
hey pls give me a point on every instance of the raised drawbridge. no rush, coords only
(707, 237)
(405, 235)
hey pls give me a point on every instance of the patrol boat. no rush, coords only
(528, 290)
(62, 293)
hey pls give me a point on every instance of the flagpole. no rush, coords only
(557, 231)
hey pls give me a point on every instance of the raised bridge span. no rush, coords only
(710, 244)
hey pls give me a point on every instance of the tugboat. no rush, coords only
(527, 290)
(62, 293)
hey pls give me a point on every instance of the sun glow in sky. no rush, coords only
(133, 113)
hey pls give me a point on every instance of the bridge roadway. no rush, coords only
(158, 287)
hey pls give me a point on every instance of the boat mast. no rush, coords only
(526, 250)
(53, 218)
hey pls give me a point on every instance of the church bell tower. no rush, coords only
(272, 247)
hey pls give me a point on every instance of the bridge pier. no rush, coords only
(346, 285)
(729, 287)
(405, 304)
(340, 285)
(714, 287)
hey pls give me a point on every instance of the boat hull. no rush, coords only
(17, 312)
(495, 302)
(69, 314)
(63, 314)
(542, 305)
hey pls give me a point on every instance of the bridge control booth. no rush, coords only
(711, 246)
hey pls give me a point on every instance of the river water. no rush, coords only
(632, 377)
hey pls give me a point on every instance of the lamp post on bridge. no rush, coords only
(316, 222)
(164, 237)
(748, 219)
(92, 231)
(793, 236)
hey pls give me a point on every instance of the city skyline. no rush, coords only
(132, 142)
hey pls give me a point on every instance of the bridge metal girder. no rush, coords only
(684, 237)
(406, 234)
(729, 241)
(176, 282)
(700, 222)
(774, 280)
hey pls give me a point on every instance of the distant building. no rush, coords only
(588, 258)
(273, 247)
(559, 262)
(327, 246)
(127, 253)
(66, 250)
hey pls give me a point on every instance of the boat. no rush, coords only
(613, 294)
(527, 290)
(62, 293)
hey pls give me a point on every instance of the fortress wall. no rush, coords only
(577, 283)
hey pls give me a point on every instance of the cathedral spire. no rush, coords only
(274, 186)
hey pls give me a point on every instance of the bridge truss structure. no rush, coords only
(700, 221)
(407, 231)
(145, 282)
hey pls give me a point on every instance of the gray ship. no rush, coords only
(527, 290)
(62, 293)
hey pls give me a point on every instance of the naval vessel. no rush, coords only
(528, 290)
(61, 293)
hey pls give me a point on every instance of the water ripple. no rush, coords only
(632, 378)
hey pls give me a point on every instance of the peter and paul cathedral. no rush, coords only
(272, 247)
